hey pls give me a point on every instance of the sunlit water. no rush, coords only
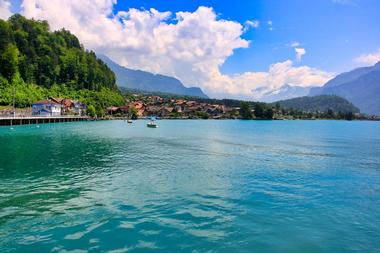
(191, 186)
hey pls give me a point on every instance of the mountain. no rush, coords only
(284, 92)
(146, 81)
(360, 86)
(320, 103)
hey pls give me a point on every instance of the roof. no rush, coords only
(67, 102)
(57, 100)
(124, 108)
(169, 109)
(112, 108)
(45, 102)
(138, 105)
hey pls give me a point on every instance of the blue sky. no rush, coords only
(332, 32)
(246, 49)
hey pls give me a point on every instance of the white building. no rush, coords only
(46, 108)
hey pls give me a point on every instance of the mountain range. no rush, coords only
(146, 81)
(284, 92)
(360, 86)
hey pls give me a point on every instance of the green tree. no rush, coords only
(202, 115)
(9, 62)
(133, 112)
(259, 111)
(91, 111)
(245, 110)
(277, 106)
(349, 116)
(100, 111)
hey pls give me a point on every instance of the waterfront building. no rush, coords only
(46, 108)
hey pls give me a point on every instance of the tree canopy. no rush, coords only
(46, 58)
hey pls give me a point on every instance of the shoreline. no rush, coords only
(22, 121)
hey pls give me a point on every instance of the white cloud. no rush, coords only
(299, 53)
(191, 46)
(256, 85)
(5, 9)
(251, 24)
(270, 24)
(369, 59)
(295, 44)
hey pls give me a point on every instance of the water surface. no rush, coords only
(191, 186)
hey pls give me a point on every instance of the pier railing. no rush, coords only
(39, 119)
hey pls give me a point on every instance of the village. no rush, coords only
(136, 106)
(170, 108)
(139, 106)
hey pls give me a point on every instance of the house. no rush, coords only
(140, 107)
(112, 110)
(153, 110)
(69, 106)
(46, 108)
(122, 110)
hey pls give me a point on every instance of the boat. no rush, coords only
(152, 123)
(129, 121)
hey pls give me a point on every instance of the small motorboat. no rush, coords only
(129, 121)
(152, 123)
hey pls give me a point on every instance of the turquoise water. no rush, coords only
(191, 186)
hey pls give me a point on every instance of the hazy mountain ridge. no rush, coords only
(146, 81)
(360, 86)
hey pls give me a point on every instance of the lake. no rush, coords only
(191, 186)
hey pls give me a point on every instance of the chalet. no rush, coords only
(46, 108)
(140, 107)
(112, 110)
(73, 107)
(125, 109)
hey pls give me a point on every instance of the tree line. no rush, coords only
(36, 63)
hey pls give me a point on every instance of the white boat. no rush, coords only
(152, 124)
(129, 121)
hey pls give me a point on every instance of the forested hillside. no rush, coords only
(360, 86)
(321, 103)
(35, 62)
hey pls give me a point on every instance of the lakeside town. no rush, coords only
(140, 106)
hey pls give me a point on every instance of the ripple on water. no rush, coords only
(191, 186)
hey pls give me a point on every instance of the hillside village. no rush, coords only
(145, 106)
(138, 106)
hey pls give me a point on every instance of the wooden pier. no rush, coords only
(13, 121)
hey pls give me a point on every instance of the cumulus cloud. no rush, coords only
(191, 46)
(369, 59)
(299, 53)
(5, 9)
(256, 85)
